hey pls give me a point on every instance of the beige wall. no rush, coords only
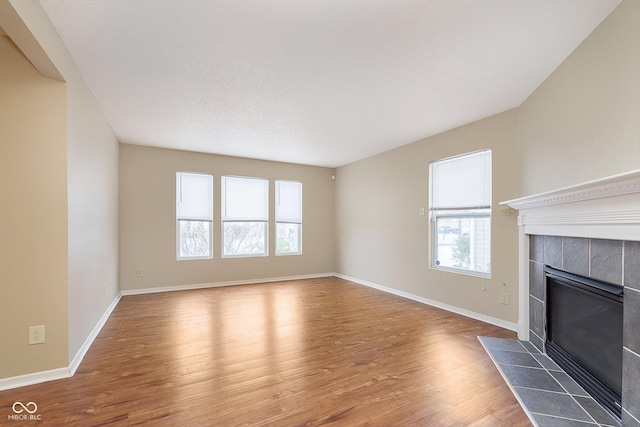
(148, 222)
(33, 218)
(93, 214)
(583, 122)
(379, 228)
(90, 246)
(63, 270)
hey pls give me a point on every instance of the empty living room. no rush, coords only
(320, 212)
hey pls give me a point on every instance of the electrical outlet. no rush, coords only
(140, 272)
(352, 264)
(36, 334)
(504, 298)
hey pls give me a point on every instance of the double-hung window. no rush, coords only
(245, 216)
(460, 211)
(288, 218)
(194, 215)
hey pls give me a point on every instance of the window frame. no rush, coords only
(297, 223)
(224, 220)
(180, 219)
(460, 213)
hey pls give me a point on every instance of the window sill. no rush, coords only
(463, 272)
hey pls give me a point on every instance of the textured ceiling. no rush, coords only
(318, 82)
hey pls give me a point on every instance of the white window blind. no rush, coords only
(462, 182)
(288, 201)
(194, 196)
(245, 198)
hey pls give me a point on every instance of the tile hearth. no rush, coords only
(547, 394)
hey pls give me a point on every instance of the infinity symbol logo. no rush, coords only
(21, 407)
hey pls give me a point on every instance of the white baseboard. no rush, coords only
(75, 363)
(221, 284)
(34, 378)
(467, 313)
(67, 371)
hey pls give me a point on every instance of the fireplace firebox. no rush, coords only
(584, 333)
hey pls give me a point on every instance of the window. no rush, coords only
(194, 215)
(288, 218)
(245, 216)
(460, 209)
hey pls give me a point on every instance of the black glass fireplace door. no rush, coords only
(584, 333)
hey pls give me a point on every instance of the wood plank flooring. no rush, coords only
(298, 353)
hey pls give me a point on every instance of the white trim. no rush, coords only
(82, 351)
(523, 285)
(221, 284)
(453, 309)
(607, 208)
(613, 217)
(34, 378)
(67, 371)
(616, 185)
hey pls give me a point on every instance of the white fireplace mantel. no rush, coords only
(607, 208)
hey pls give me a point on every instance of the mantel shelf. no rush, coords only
(616, 185)
(607, 208)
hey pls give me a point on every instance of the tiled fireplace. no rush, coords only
(592, 230)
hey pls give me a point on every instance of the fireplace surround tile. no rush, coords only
(537, 342)
(536, 248)
(631, 335)
(606, 260)
(553, 251)
(628, 421)
(614, 261)
(631, 382)
(575, 255)
(536, 279)
(536, 310)
(632, 264)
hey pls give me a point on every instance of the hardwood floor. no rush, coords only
(299, 353)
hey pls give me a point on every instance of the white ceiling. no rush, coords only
(318, 82)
